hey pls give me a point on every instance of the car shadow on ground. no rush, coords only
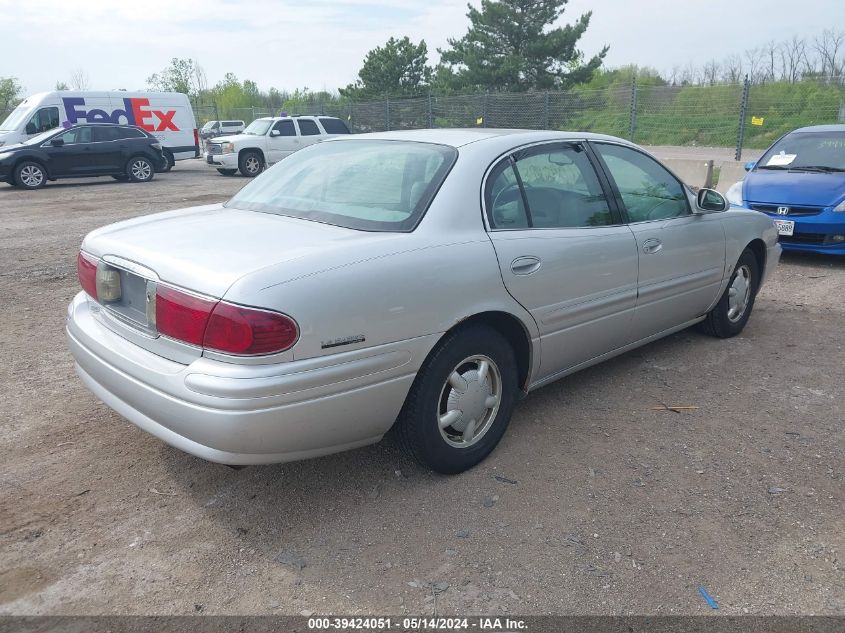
(296, 505)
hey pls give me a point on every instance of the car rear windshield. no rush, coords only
(821, 151)
(368, 185)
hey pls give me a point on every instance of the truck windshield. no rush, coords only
(258, 127)
(16, 118)
(368, 185)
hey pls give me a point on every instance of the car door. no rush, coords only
(70, 152)
(282, 140)
(681, 254)
(563, 251)
(309, 132)
(110, 150)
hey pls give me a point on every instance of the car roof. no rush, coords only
(822, 128)
(296, 116)
(458, 137)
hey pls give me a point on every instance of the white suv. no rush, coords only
(267, 141)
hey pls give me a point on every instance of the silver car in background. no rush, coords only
(416, 281)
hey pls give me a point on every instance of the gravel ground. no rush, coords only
(594, 503)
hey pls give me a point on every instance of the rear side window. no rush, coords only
(308, 127)
(334, 126)
(104, 134)
(285, 127)
(130, 132)
(232, 123)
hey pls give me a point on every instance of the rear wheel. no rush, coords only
(169, 160)
(140, 169)
(30, 175)
(250, 164)
(461, 401)
(227, 172)
(732, 312)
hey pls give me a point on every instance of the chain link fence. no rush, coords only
(738, 116)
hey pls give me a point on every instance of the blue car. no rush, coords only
(800, 183)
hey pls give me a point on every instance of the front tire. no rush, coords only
(227, 172)
(30, 175)
(140, 169)
(461, 402)
(250, 164)
(732, 312)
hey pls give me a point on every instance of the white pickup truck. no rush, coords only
(268, 140)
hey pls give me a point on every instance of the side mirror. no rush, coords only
(30, 128)
(275, 133)
(710, 200)
(750, 165)
(57, 142)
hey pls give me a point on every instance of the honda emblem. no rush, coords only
(783, 210)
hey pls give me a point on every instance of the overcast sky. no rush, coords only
(320, 43)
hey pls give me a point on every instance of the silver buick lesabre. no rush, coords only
(415, 281)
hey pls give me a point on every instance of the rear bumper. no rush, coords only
(245, 414)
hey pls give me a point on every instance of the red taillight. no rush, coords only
(239, 330)
(182, 316)
(197, 137)
(223, 327)
(86, 268)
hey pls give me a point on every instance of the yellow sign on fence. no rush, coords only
(479, 120)
(757, 120)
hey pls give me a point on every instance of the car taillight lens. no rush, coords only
(86, 269)
(220, 326)
(182, 316)
(239, 330)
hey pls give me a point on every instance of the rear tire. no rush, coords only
(30, 175)
(732, 312)
(461, 402)
(170, 161)
(227, 172)
(140, 169)
(250, 164)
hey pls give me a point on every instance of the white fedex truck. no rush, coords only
(166, 115)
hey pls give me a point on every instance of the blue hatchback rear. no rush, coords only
(800, 183)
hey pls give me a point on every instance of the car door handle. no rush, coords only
(652, 245)
(525, 265)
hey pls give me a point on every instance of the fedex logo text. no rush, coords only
(135, 112)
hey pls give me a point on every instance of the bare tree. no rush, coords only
(830, 48)
(794, 60)
(732, 69)
(710, 72)
(754, 64)
(771, 50)
(79, 79)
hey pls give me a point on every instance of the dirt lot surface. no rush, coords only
(594, 502)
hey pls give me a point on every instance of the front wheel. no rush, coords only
(227, 172)
(460, 404)
(250, 164)
(732, 312)
(140, 169)
(30, 175)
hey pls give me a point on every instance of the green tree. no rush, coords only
(513, 45)
(400, 67)
(10, 91)
(182, 75)
(60, 85)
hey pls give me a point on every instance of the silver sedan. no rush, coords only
(414, 281)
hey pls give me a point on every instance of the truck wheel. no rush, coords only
(30, 175)
(227, 172)
(140, 169)
(250, 164)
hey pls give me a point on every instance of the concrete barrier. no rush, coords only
(730, 172)
(695, 173)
